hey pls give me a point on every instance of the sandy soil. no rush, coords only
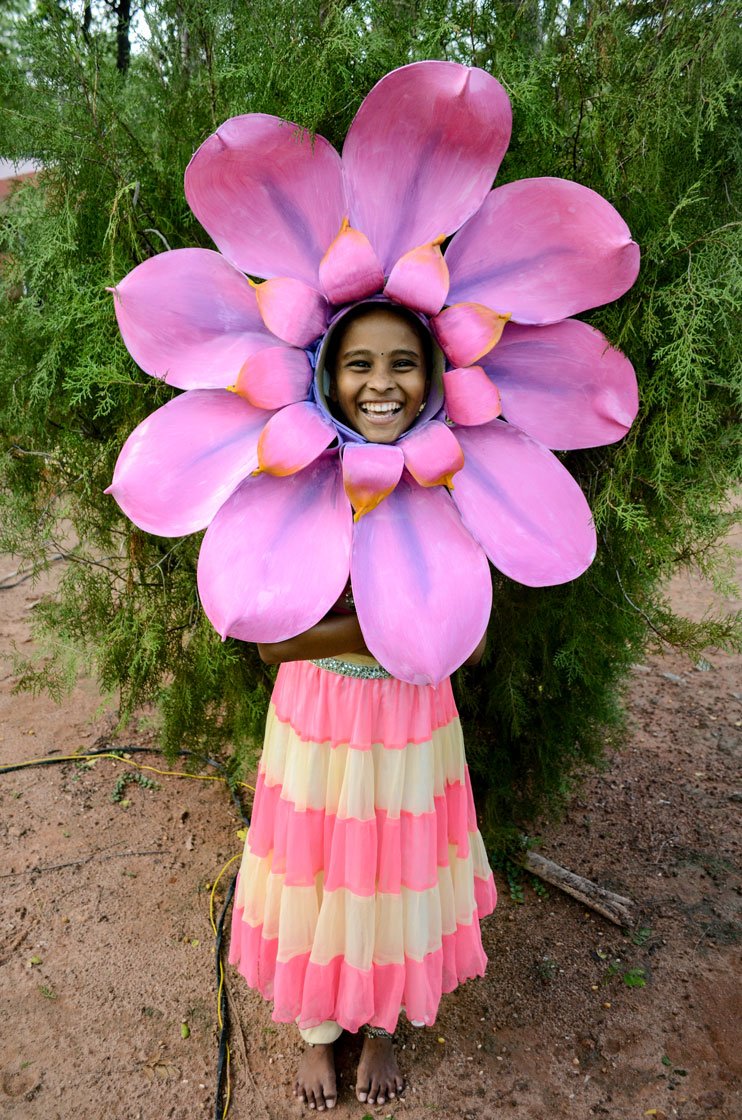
(106, 950)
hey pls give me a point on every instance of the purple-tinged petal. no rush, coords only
(370, 473)
(467, 331)
(269, 193)
(422, 152)
(277, 555)
(187, 316)
(471, 398)
(350, 269)
(293, 438)
(432, 455)
(419, 279)
(421, 584)
(523, 506)
(564, 384)
(544, 249)
(291, 310)
(181, 464)
(275, 377)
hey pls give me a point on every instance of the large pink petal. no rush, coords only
(523, 506)
(421, 584)
(189, 317)
(270, 195)
(275, 377)
(422, 153)
(543, 249)
(293, 438)
(350, 269)
(467, 331)
(432, 455)
(564, 384)
(276, 556)
(370, 473)
(419, 279)
(181, 464)
(471, 398)
(291, 310)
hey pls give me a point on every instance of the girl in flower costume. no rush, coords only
(325, 476)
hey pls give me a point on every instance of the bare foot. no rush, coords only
(315, 1082)
(378, 1078)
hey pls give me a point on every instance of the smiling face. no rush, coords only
(380, 377)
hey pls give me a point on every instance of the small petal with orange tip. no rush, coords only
(471, 398)
(370, 473)
(274, 377)
(468, 331)
(419, 279)
(292, 439)
(350, 269)
(432, 455)
(291, 310)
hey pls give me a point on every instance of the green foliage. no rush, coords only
(126, 779)
(634, 99)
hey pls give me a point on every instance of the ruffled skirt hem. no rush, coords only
(308, 993)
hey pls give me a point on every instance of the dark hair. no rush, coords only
(365, 309)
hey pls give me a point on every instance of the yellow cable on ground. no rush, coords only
(129, 762)
(219, 1019)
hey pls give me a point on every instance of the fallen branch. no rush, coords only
(614, 907)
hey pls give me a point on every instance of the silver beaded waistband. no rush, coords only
(351, 669)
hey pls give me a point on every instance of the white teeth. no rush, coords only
(380, 407)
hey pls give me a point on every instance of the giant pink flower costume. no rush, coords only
(293, 500)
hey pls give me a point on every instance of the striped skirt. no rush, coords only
(364, 875)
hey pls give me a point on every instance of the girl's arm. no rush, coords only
(337, 633)
(475, 657)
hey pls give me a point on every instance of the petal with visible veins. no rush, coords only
(181, 464)
(564, 384)
(277, 555)
(187, 316)
(422, 608)
(523, 506)
(269, 193)
(544, 249)
(421, 153)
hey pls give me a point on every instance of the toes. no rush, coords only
(362, 1094)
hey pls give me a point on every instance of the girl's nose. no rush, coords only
(380, 376)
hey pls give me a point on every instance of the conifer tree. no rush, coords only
(634, 99)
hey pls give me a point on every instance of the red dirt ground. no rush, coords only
(106, 948)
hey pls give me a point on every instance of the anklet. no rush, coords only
(376, 1032)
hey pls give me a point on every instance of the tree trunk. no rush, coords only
(123, 44)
